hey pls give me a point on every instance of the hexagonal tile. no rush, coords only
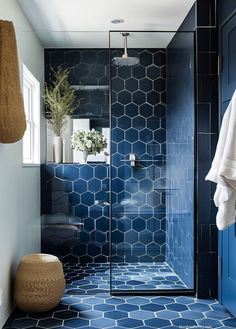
(124, 122)
(124, 72)
(131, 84)
(94, 185)
(168, 315)
(152, 307)
(153, 97)
(139, 97)
(131, 110)
(124, 97)
(138, 72)
(160, 110)
(131, 236)
(86, 172)
(146, 135)
(81, 211)
(116, 315)
(160, 135)
(153, 198)
(146, 185)
(209, 323)
(153, 123)
(50, 323)
(131, 135)
(139, 148)
(142, 315)
(89, 56)
(74, 198)
(145, 84)
(117, 84)
(199, 307)
(219, 315)
(163, 300)
(87, 199)
(139, 224)
(90, 314)
(129, 323)
(117, 236)
(127, 307)
(183, 322)
(176, 307)
(153, 72)
(117, 135)
(117, 110)
(138, 123)
(146, 110)
(98, 70)
(145, 237)
(66, 314)
(160, 85)
(157, 323)
(159, 58)
(145, 58)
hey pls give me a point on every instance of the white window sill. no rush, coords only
(26, 165)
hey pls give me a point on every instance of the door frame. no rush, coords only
(220, 234)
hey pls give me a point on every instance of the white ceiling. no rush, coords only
(86, 23)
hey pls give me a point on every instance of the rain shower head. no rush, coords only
(125, 60)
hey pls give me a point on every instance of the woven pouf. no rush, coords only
(39, 283)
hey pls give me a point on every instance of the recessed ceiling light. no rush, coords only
(117, 21)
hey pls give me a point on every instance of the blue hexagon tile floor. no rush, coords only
(97, 309)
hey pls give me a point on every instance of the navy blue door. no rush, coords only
(228, 237)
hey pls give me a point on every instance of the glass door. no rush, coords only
(152, 162)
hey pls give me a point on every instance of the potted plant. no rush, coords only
(89, 142)
(60, 101)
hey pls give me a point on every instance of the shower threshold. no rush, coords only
(145, 276)
(121, 278)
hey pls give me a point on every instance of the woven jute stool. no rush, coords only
(39, 283)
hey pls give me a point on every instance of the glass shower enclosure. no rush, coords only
(152, 162)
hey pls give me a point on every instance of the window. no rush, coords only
(31, 96)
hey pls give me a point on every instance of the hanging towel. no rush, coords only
(12, 115)
(223, 169)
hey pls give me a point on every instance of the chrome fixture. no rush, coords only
(132, 158)
(125, 60)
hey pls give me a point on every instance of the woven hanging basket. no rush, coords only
(12, 115)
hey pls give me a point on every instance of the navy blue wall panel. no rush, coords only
(180, 156)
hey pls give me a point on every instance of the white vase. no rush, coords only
(84, 157)
(57, 149)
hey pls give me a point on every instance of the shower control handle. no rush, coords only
(132, 158)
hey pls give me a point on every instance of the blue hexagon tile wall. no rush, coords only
(75, 223)
(138, 126)
(87, 67)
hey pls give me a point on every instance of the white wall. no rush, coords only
(19, 186)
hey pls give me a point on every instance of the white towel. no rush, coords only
(223, 169)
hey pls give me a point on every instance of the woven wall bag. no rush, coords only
(12, 114)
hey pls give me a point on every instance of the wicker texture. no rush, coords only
(12, 115)
(39, 283)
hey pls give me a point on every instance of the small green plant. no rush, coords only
(60, 99)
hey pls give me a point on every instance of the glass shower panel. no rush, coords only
(144, 189)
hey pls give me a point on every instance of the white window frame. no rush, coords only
(31, 96)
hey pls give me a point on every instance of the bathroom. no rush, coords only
(133, 225)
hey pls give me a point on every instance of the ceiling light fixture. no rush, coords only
(117, 21)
